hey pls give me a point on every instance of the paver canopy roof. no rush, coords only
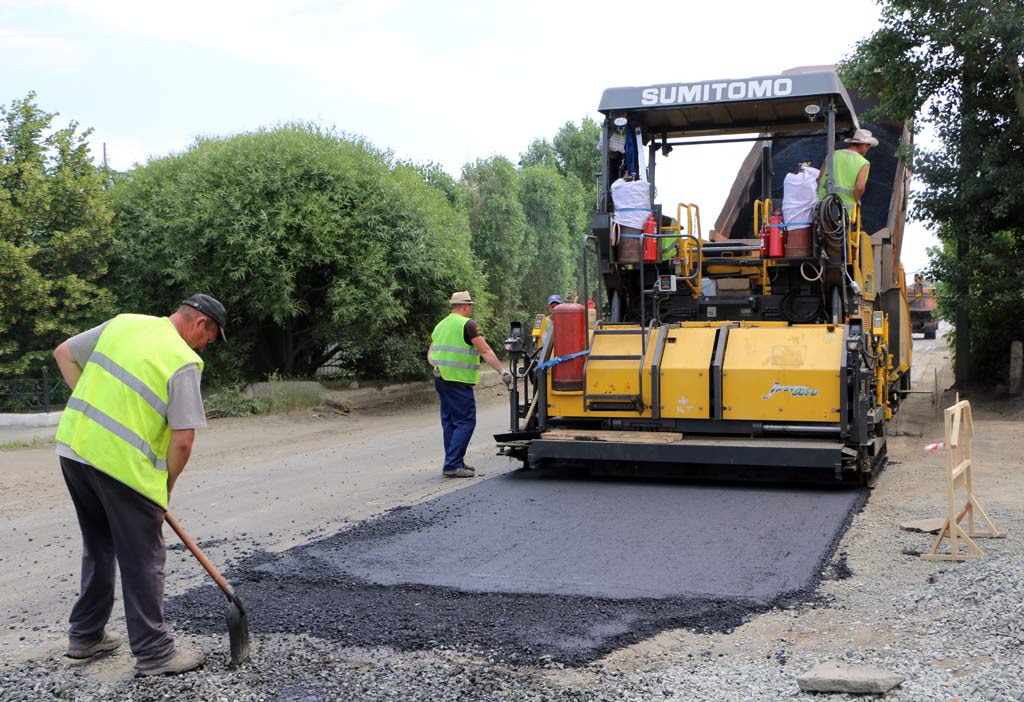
(730, 106)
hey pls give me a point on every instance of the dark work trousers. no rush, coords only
(458, 420)
(118, 526)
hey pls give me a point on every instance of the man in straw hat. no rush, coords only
(456, 348)
(852, 169)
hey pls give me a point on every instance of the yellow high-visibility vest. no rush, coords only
(848, 165)
(459, 362)
(116, 418)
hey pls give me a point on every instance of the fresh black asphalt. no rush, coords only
(528, 568)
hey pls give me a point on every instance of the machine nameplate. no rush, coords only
(794, 390)
(717, 91)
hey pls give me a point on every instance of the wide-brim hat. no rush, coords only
(862, 136)
(461, 298)
(212, 308)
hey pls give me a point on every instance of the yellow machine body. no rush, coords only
(608, 377)
(685, 372)
(771, 372)
(618, 376)
(783, 373)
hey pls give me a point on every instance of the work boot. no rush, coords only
(468, 467)
(182, 661)
(458, 473)
(108, 642)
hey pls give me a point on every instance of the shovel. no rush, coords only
(238, 624)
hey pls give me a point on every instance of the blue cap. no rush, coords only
(555, 298)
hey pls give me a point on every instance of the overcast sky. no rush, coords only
(448, 82)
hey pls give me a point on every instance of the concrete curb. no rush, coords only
(379, 395)
(40, 419)
(357, 398)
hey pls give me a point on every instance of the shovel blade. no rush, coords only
(238, 631)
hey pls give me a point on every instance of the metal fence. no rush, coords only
(43, 394)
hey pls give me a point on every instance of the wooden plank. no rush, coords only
(634, 437)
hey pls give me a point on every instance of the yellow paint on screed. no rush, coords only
(621, 377)
(614, 377)
(610, 377)
(685, 373)
(772, 372)
(783, 374)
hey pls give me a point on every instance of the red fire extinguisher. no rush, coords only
(776, 245)
(650, 243)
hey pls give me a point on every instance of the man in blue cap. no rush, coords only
(545, 330)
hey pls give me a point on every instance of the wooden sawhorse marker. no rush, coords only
(959, 430)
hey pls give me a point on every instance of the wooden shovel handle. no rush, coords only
(200, 556)
(529, 413)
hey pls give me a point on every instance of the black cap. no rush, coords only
(211, 307)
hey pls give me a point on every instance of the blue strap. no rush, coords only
(797, 224)
(562, 359)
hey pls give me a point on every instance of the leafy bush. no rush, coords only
(232, 402)
(313, 240)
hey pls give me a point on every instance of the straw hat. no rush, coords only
(862, 136)
(461, 298)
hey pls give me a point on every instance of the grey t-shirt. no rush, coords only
(184, 402)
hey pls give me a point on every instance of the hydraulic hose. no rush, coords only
(832, 218)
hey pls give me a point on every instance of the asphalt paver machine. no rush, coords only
(762, 349)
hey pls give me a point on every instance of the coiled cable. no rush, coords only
(833, 219)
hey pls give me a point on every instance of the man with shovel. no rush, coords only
(123, 440)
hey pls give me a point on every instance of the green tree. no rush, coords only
(433, 174)
(318, 243)
(957, 65)
(540, 152)
(577, 151)
(544, 197)
(498, 224)
(55, 236)
(579, 207)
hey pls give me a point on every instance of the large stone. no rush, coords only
(931, 525)
(840, 677)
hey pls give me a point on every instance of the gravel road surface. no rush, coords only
(953, 630)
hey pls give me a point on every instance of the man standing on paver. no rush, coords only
(852, 168)
(123, 440)
(457, 345)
